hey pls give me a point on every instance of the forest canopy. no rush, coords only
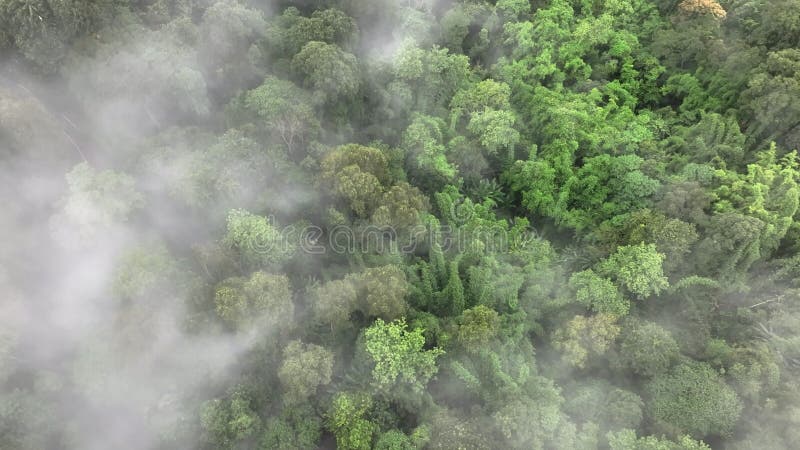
(398, 225)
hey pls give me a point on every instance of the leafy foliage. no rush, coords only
(693, 398)
(400, 225)
(399, 355)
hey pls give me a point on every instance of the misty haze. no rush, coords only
(399, 224)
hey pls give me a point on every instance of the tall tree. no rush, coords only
(262, 300)
(399, 355)
(637, 268)
(305, 367)
(256, 241)
(332, 73)
(692, 399)
(97, 201)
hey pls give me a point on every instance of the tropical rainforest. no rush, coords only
(400, 224)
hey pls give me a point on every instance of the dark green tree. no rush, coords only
(692, 399)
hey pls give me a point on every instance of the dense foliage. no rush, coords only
(381, 224)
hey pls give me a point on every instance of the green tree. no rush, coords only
(646, 348)
(356, 174)
(732, 245)
(597, 401)
(401, 207)
(255, 240)
(692, 399)
(434, 75)
(495, 129)
(362, 189)
(290, 31)
(672, 237)
(686, 200)
(607, 186)
(304, 368)
(144, 272)
(42, 30)
(368, 159)
(333, 302)
(96, 202)
(19, 115)
(715, 138)
(423, 142)
(148, 285)
(452, 296)
(637, 268)
(285, 109)
(262, 299)
(24, 415)
(346, 419)
(212, 173)
(449, 430)
(767, 100)
(455, 28)
(513, 8)
(395, 440)
(399, 355)
(525, 423)
(477, 327)
(330, 71)
(753, 372)
(296, 428)
(490, 118)
(537, 183)
(603, 187)
(155, 79)
(227, 33)
(598, 293)
(768, 191)
(627, 440)
(487, 94)
(230, 420)
(585, 336)
(383, 291)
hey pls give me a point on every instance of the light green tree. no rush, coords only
(490, 118)
(598, 293)
(532, 421)
(423, 140)
(647, 348)
(452, 299)
(262, 299)
(399, 355)
(768, 192)
(477, 327)
(637, 268)
(305, 367)
(692, 399)
(584, 336)
(330, 71)
(347, 420)
(401, 207)
(626, 440)
(357, 175)
(227, 34)
(96, 202)
(435, 74)
(382, 291)
(285, 109)
(226, 421)
(256, 241)
(332, 303)
(296, 428)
